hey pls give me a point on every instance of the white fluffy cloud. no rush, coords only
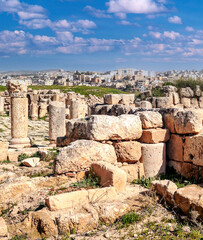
(97, 12)
(135, 6)
(172, 35)
(156, 35)
(166, 34)
(189, 29)
(175, 20)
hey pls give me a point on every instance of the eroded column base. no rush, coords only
(19, 143)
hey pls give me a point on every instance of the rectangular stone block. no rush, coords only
(67, 200)
(79, 199)
(3, 151)
(155, 135)
(102, 127)
(175, 147)
(190, 198)
(110, 175)
(186, 102)
(134, 171)
(113, 99)
(193, 149)
(129, 152)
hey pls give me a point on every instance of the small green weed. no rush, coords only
(127, 219)
(91, 180)
(21, 237)
(6, 161)
(171, 174)
(158, 92)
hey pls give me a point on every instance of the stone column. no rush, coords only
(42, 108)
(19, 122)
(1, 105)
(154, 159)
(34, 111)
(78, 109)
(57, 126)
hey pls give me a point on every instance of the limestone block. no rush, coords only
(101, 194)
(110, 175)
(109, 212)
(129, 152)
(175, 147)
(112, 99)
(80, 222)
(165, 188)
(186, 92)
(169, 89)
(134, 171)
(15, 191)
(3, 151)
(193, 149)
(31, 162)
(3, 229)
(168, 118)
(76, 129)
(186, 102)
(187, 122)
(124, 127)
(2, 101)
(155, 135)
(198, 91)
(41, 220)
(194, 103)
(67, 200)
(151, 120)
(201, 102)
(154, 159)
(117, 110)
(79, 199)
(190, 198)
(176, 99)
(79, 156)
(56, 120)
(163, 102)
(145, 104)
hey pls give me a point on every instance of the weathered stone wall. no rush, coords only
(184, 98)
(175, 131)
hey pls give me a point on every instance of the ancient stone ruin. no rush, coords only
(118, 139)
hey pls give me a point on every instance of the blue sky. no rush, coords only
(101, 34)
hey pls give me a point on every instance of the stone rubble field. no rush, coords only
(124, 172)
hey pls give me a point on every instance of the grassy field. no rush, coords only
(84, 90)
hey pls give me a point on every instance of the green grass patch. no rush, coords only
(171, 175)
(24, 156)
(83, 90)
(127, 219)
(90, 181)
(19, 237)
(2, 88)
(157, 92)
